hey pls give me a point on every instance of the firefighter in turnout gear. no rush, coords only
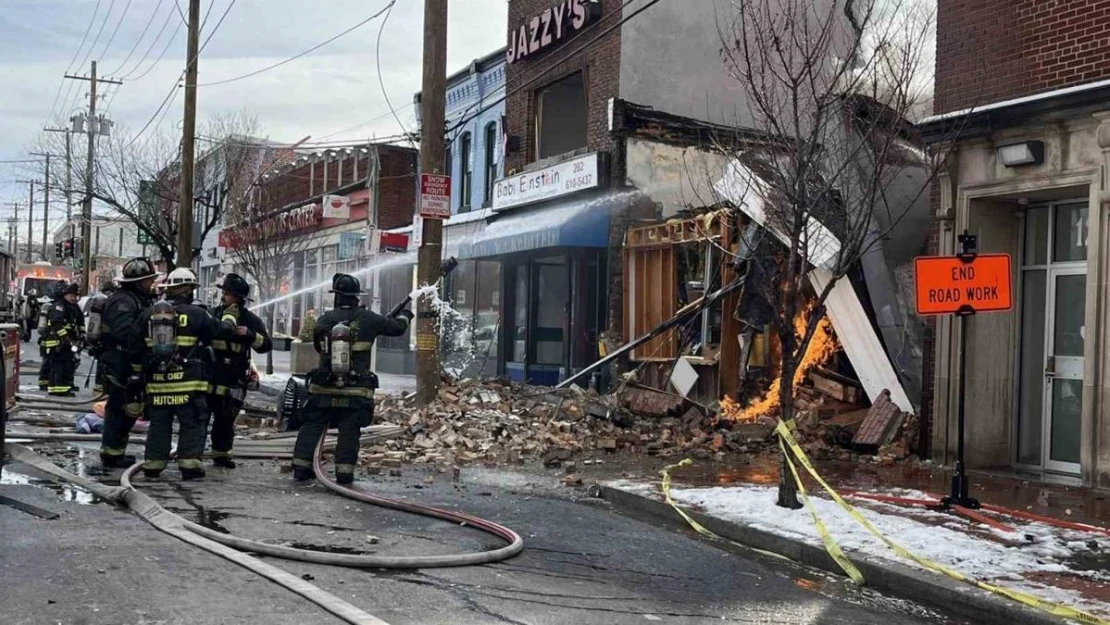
(121, 357)
(178, 353)
(65, 335)
(42, 316)
(231, 371)
(341, 388)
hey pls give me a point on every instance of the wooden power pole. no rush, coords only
(92, 129)
(45, 205)
(188, 139)
(430, 256)
(69, 171)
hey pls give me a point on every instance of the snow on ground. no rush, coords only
(936, 536)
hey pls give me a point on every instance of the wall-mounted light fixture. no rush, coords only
(1024, 153)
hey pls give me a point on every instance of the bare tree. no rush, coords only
(830, 86)
(138, 178)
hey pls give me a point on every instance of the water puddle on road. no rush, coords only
(65, 492)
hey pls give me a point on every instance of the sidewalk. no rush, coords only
(391, 383)
(1065, 566)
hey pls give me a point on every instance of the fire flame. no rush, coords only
(820, 349)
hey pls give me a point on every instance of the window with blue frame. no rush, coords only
(490, 162)
(466, 172)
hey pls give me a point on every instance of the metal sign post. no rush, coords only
(963, 285)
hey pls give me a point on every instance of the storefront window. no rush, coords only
(520, 313)
(466, 171)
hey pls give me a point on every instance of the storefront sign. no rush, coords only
(947, 285)
(394, 242)
(349, 244)
(551, 27)
(336, 207)
(565, 178)
(435, 196)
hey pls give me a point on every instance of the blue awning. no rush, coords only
(567, 224)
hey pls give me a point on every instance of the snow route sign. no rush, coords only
(435, 196)
(950, 285)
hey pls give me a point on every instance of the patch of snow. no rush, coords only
(937, 536)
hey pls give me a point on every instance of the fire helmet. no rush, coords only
(137, 270)
(236, 285)
(181, 276)
(344, 284)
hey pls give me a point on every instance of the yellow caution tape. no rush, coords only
(698, 527)
(831, 546)
(1050, 607)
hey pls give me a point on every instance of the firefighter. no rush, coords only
(121, 350)
(231, 373)
(341, 388)
(42, 314)
(65, 335)
(178, 340)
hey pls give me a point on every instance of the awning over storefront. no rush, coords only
(582, 223)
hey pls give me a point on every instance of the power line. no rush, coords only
(378, 62)
(115, 31)
(306, 52)
(154, 42)
(367, 122)
(69, 67)
(142, 35)
(173, 89)
(98, 34)
(158, 60)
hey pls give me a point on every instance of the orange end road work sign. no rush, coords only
(946, 285)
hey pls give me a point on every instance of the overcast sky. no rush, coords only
(320, 94)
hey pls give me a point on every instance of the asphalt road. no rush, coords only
(582, 564)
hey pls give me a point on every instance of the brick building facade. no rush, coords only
(1023, 127)
(994, 50)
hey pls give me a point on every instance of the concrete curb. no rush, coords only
(892, 578)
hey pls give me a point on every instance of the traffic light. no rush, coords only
(58, 249)
(71, 246)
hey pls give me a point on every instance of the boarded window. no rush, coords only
(561, 117)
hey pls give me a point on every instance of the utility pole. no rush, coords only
(92, 128)
(430, 256)
(30, 218)
(45, 205)
(69, 172)
(14, 246)
(188, 139)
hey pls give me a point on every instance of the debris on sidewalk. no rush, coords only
(501, 422)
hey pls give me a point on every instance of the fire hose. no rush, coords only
(235, 549)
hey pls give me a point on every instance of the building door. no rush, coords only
(1053, 334)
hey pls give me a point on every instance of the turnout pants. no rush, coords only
(45, 356)
(225, 409)
(62, 370)
(120, 415)
(318, 413)
(191, 410)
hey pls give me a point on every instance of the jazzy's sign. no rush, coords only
(551, 27)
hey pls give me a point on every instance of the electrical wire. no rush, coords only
(306, 52)
(154, 42)
(115, 32)
(99, 32)
(142, 35)
(158, 60)
(381, 81)
(173, 90)
(366, 123)
(69, 67)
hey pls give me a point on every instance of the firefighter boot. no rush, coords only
(152, 474)
(345, 478)
(223, 461)
(194, 473)
(110, 461)
(303, 474)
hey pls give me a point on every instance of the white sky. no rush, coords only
(321, 94)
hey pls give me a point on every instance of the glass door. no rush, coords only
(1053, 298)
